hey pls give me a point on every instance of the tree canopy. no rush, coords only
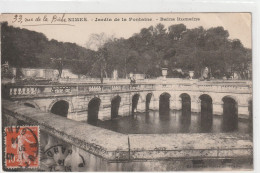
(146, 52)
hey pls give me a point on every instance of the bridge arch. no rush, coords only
(93, 109)
(206, 107)
(31, 104)
(135, 99)
(185, 103)
(231, 97)
(115, 104)
(60, 107)
(230, 114)
(164, 103)
(250, 108)
(148, 101)
(250, 111)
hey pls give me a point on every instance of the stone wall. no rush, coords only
(90, 148)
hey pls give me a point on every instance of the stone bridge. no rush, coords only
(81, 102)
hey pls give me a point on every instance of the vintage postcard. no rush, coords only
(127, 92)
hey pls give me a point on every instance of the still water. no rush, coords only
(155, 122)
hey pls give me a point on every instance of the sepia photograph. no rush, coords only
(126, 92)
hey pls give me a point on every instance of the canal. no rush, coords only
(159, 122)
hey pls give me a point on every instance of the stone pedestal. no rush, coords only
(104, 114)
(154, 104)
(164, 72)
(124, 110)
(141, 106)
(176, 104)
(217, 108)
(195, 106)
(243, 111)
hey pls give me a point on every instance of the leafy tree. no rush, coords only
(145, 52)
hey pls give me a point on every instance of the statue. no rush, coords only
(205, 74)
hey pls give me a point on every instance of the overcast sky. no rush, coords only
(238, 24)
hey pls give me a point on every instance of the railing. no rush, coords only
(231, 88)
(14, 90)
(94, 80)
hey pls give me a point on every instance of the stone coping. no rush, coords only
(74, 93)
(115, 147)
(180, 82)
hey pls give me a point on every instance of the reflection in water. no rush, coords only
(153, 122)
(135, 102)
(93, 108)
(185, 121)
(185, 118)
(250, 109)
(115, 103)
(164, 104)
(230, 118)
(148, 100)
(206, 118)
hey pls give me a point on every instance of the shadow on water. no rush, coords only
(169, 121)
(115, 103)
(206, 115)
(250, 110)
(230, 116)
(206, 121)
(185, 121)
(135, 99)
(155, 122)
(93, 109)
(147, 101)
(164, 105)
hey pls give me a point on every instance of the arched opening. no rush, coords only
(250, 110)
(29, 105)
(230, 117)
(164, 104)
(115, 103)
(185, 104)
(135, 99)
(60, 108)
(93, 109)
(206, 118)
(185, 119)
(147, 102)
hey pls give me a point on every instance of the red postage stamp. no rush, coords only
(22, 147)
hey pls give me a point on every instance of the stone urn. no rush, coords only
(131, 75)
(164, 72)
(191, 74)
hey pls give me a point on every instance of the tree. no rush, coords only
(175, 31)
(144, 52)
(97, 42)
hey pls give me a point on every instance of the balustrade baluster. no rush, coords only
(12, 91)
(19, 91)
(23, 91)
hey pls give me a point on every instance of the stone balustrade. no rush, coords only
(68, 145)
(13, 90)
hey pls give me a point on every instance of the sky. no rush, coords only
(63, 27)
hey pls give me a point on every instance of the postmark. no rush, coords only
(21, 147)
